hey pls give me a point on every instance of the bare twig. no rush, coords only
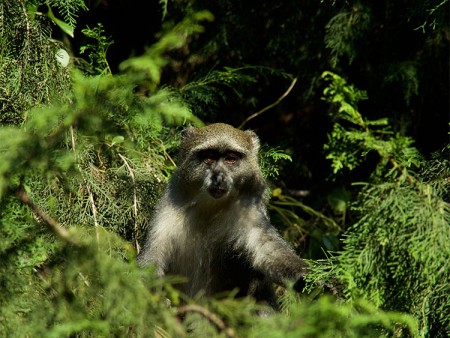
(72, 137)
(166, 154)
(281, 98)
(24, 10)
(214, 319)
(94, 211)
(91, 196)
(135, 202)
(401, 169)
(57, 228)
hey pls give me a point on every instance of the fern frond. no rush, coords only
(269, 157)
(69, 9)
(207, 93)
(344, 30)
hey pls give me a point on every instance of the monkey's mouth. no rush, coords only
(217, 191)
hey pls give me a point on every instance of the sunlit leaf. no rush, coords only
(61, 24)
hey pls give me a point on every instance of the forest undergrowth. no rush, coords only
(85, 153)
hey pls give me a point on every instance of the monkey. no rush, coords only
(211, 224)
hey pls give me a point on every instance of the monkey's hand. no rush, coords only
(273, 256)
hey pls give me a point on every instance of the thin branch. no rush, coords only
(214, 319)
(72, 137)
(281, 98)
(94, 211)
(57, 228)
(24, 10)
(166, 154)
(91, 196)
(135, 202)
(401, 169)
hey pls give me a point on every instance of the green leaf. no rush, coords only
(68, 29)
(338, 199)
(32, 9)
(117, 139)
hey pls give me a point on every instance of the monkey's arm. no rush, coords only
(152, 255)
(157, 248)
(272, 255)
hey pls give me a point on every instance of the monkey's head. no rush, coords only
(220, 161)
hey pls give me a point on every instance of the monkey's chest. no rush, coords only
(210, 266)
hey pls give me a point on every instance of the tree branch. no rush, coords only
(24, 10)
(214, 319)
(135, 202)
(57, 228)
(94, 211)
(91, 196)
(281, 98)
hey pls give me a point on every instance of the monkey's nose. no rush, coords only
(218, 177)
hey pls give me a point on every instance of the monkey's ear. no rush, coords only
(188, 132)
(254, 140)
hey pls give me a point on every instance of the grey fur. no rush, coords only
(211, 224)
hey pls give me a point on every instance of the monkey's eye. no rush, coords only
(208, 160)
(231, 158)
(208, 157)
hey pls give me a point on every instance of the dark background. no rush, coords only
(398, 51)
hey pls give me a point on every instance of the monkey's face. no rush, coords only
(220, 166)
(218, 162)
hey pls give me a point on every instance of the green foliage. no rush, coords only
(301, 220)
(149, 66)
(64, 26)
(396, 254)
(297, 219)
(29, 71)
(95, 163)
(69, 9)
(344, 30)
(326, 318)
(346, 96)
(269, 157)
(405, 74)
(164, 4)
(207, 93)
(401, 240)
(86, 289)
(94, 152)
(97, 51)
(433, 13)
(350, 143)
(85, 152)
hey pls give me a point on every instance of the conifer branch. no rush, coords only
(94, 211)
(214, 319)
(270, 106)
(163, 148)
(72, 138)
(57, 228)
(135, 202)
(401, 169)
(27, 20)
(91, 196)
